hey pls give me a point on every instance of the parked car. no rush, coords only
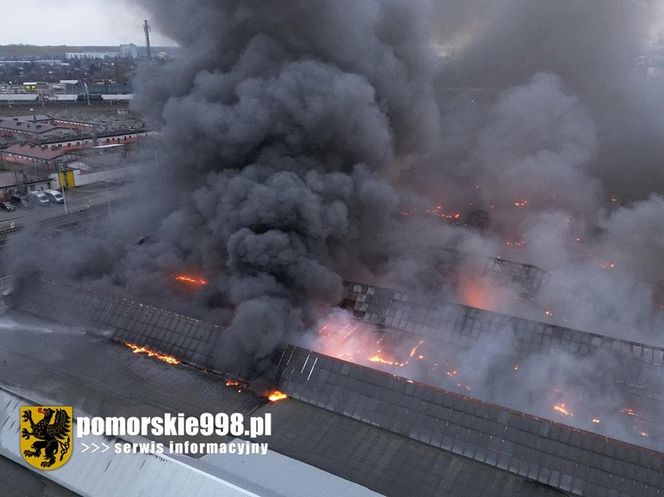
(54, 196)
(7, 207)
(21, 202)
(39, 198)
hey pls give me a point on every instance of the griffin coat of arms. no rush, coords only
(46, 440)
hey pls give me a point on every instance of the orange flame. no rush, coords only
(192, 280)
(439, 212)
(562, 408)
(436, 211)
(478, 293)
(137, 349)
(596, 421)
(413, 351)
(608, 265)
(628, 410)
(276, 396)
(515, 243)
(237, 384)
(382, 358)
(378, 357)
(521, 203)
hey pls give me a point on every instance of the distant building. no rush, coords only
(40, 124)
(19, 183)
(50, 154)
(10, 99)
(34, 86)
(91, 55)
(36, 124)
(129, 51)
(42, 155)
(71, 85)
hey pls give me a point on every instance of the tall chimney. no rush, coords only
(146, 28)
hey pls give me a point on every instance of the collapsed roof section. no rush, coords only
(636, 366)
(526, 277)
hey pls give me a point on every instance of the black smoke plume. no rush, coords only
(296, 134)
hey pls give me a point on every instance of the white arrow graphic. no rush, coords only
(85, 447)
(106, 447)
(96, 447)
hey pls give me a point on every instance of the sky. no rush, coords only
(73, 22)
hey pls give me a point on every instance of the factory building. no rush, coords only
(36, 155)
(379, 430)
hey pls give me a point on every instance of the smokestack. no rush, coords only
(148, 48)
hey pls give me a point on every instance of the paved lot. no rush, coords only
(77, 199)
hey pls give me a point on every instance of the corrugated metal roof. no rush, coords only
(100, 474)
(285, 475)
(18, 481)
(105, 379)
(388, 463)
(528, 447)
(189, 339)
(38, 152)
(560, 456)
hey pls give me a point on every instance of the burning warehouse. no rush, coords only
(508, 451)
(393, 240)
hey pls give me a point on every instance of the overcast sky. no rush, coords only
(72, 22)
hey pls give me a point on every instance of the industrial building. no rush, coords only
(14, 183)
(39, 155)
(384, 432)
(36, 100)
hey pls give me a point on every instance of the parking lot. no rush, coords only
(77, 199)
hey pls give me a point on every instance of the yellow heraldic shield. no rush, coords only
(46, 434)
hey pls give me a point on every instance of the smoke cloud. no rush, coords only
(304, 143)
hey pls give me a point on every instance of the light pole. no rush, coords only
(108, 197)
(62, 177)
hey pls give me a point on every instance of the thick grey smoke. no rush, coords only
(299, 137)
(600, 50)
(282, 124)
